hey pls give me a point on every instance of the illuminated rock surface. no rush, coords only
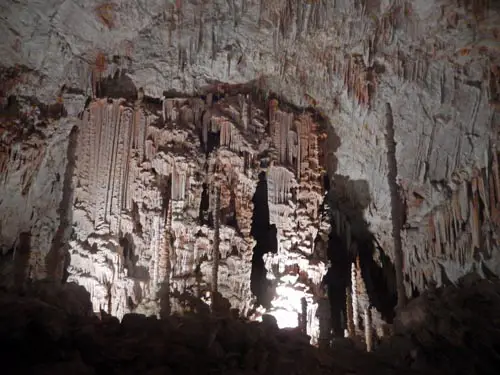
(102, 169)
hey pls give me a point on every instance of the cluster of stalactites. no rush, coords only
(230, 136)
(289, 137)
(280, 181)
(297, 140)
(461, 226)
(110, 136)
(178, 173)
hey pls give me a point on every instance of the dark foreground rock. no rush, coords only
(48, 329)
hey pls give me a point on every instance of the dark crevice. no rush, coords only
(136, 220)
(265, 236)
(336, 280)
(396, 204)
(213, 141)
(379, 281)
(118, 86)
(58, 257)
(204, 206)
(129, 254)
(21, 259)
(229, 217)
(351, 198)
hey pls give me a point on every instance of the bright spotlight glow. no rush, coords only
(285, 319)
(286, 306)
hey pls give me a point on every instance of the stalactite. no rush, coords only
(482, 194)
(280, 181)
(304, 134)
(464, 202)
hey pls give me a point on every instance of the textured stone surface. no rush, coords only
(138, 214)
(434, 62)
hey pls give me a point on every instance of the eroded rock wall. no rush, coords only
(435, 63)
(146, 183)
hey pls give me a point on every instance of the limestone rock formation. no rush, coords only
(142, 221)
(107, 150)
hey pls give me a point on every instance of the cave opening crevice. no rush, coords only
(265, 236)
(204, 210)
(336, 281)
(58, 258)
(350, 198)
(229, 215)
(379, 280)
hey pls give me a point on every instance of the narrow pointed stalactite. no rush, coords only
(396, 206)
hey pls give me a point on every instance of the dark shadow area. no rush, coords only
(204, 206)
(58, 257)
(130, 257)
(337, 279)
(116, 87)
(266, 242)
(228, 214)
(380, 282)
(351, 198)
(209, 140)
(21, 259)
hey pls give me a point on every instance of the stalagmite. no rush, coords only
(351, 329)
(368, 330)
(216, 241)
(354, 286)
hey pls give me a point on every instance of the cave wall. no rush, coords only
(434, 62)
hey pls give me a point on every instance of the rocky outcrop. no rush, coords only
(454, 319)
(47, 329)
